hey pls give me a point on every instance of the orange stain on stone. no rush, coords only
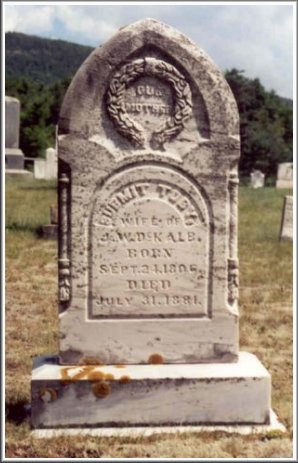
(88, 372)
(156, 359)
(91, 361)
(124, 379)
(47, 394)
(101, 389)
(93, 375)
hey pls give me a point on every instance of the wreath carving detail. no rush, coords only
(131, 129)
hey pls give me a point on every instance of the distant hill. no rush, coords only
(42, 60)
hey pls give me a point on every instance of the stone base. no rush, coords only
(14, 159)
(149, 395)
(49, 232)
(144, 431)
(18, 172)
(284, 184)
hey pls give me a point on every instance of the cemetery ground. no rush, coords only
(32, 329)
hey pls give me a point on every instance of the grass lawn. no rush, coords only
(32, 329)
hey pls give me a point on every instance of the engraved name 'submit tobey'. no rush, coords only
(150, 240)
(148, 205)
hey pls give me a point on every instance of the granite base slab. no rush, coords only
(93, 396)
(274, 425)
(18, 172)
(14, 158)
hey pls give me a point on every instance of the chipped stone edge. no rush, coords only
(144, 431)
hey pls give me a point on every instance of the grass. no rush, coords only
(32, 327)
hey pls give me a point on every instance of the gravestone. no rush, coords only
(46, 168)
(148, 151)
(14, 157)
(257, 179)
(50, 231)
(286, 228)
(285, 175)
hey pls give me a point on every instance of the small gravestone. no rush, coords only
(148, 258)
(14, 157)
(285, 175)
(286, 228)
(50, 231)
(257, 179)
(46, 168)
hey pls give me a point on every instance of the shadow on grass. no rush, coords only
(37, 230)
(38, 187)
(17, 412)
(23, 227)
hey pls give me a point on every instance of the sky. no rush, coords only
(256, 38)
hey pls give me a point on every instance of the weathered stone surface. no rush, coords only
(257, 179)
(148, 149)
(286, 228)
(285, 175)
(150, 394)
(148, 153)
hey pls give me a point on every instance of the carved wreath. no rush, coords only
(127, 126)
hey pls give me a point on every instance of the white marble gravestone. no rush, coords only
(47, 168)
(257, 179)
(14, 157)
(286, 227)
(285, 175)
(148, 261)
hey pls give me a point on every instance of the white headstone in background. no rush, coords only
(46, 168)
(51, 163)
(285, 175)
(39, 168)
(257, 179)
(286, 228)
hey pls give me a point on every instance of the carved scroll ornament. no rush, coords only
(131, 129)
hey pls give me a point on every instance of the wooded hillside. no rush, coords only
(42, 60)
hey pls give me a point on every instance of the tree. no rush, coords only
(265, 125)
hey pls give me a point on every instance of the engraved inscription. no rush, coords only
(126, 96)
(149, 247)
(150, 101)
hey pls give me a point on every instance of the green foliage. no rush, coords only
(266, 125)
(40, 105)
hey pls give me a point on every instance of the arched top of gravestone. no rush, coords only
(148, 49)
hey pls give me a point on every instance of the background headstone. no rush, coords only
(50, 231)
(46, 168)
(14, 157)
(148, 256)
(12, 122)
(39, 168)
(286, 228)
(257, 179)
(285, 175)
